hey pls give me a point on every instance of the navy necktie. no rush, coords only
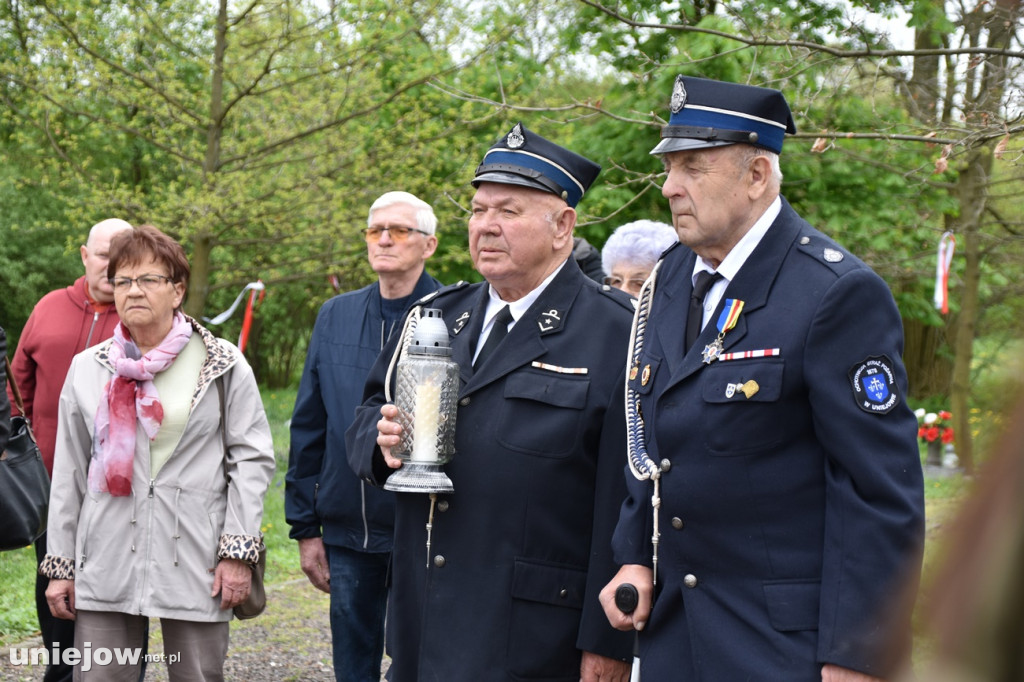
(695, 318)
(498, 331)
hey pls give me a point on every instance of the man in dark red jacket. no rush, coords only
(63, 323)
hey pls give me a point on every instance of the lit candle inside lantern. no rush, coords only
(427, 423)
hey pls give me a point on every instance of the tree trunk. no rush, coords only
(929, 364)
(199, 281)
(924, 81)
(972, 195)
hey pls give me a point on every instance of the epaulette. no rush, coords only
(619, 296)
(443, 290)
(667, 251)
(825, 251)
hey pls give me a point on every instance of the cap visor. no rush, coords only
(509, 179)
(678, 144)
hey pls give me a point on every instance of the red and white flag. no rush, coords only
(947, 243)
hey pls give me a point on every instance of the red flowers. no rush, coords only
(934, 426)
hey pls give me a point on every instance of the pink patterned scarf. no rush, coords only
(130, 398)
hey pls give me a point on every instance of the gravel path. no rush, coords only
(290, 641)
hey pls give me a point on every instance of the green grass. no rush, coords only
(282, 553)
(17, 598)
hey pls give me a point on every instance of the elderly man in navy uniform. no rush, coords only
(776, 497)
(520, 551)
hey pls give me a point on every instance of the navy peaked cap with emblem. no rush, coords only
(708, 113)
(524, 158)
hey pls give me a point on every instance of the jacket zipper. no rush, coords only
(366, 525)
(95, 319)
(149, 545)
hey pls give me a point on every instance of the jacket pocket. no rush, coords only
(105, 571)
(743, 412)
(547, 599)
(541, 412)
(793, 605)
(186, 532)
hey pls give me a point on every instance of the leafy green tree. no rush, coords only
(256, 133)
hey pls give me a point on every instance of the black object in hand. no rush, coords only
(626, 598)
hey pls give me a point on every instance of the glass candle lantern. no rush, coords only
(427, 386)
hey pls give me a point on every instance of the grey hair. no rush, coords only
(750, 152)
(425, 218)
(640, 242)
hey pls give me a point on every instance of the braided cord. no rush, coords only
(408, 329)
(640, 463)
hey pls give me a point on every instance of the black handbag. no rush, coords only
(24, 483)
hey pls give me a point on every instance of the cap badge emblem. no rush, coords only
(678, 96)
(515, 138)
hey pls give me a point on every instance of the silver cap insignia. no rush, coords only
(678, 96)
(515, 138)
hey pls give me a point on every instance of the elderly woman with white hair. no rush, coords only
(632, 250)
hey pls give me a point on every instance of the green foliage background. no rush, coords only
(258, 134)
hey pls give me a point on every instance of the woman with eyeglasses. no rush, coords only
(632, 250)
(163, 457)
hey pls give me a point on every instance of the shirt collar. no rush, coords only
(517, 308)
(735, 259)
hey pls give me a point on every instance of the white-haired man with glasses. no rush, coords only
(344, 527)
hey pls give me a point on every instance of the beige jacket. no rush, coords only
(153, 552)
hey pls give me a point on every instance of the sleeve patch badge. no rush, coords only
(874, 385)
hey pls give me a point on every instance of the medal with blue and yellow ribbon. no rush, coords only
(726, 321)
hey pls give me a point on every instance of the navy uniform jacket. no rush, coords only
(522, 548)
(791, 517)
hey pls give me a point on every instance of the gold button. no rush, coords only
(677, 523)
(690, 580)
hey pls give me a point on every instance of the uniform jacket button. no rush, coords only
(563, 593)
(677, 523)
(665, 465)
(442, 505)
(439, 561)
(465, 401)
(690, 580)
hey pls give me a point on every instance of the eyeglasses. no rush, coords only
(627, 285)
(398, 233)
(146, 282)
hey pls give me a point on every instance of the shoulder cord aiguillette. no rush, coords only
(640, 462)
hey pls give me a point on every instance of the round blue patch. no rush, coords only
(874, 385)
